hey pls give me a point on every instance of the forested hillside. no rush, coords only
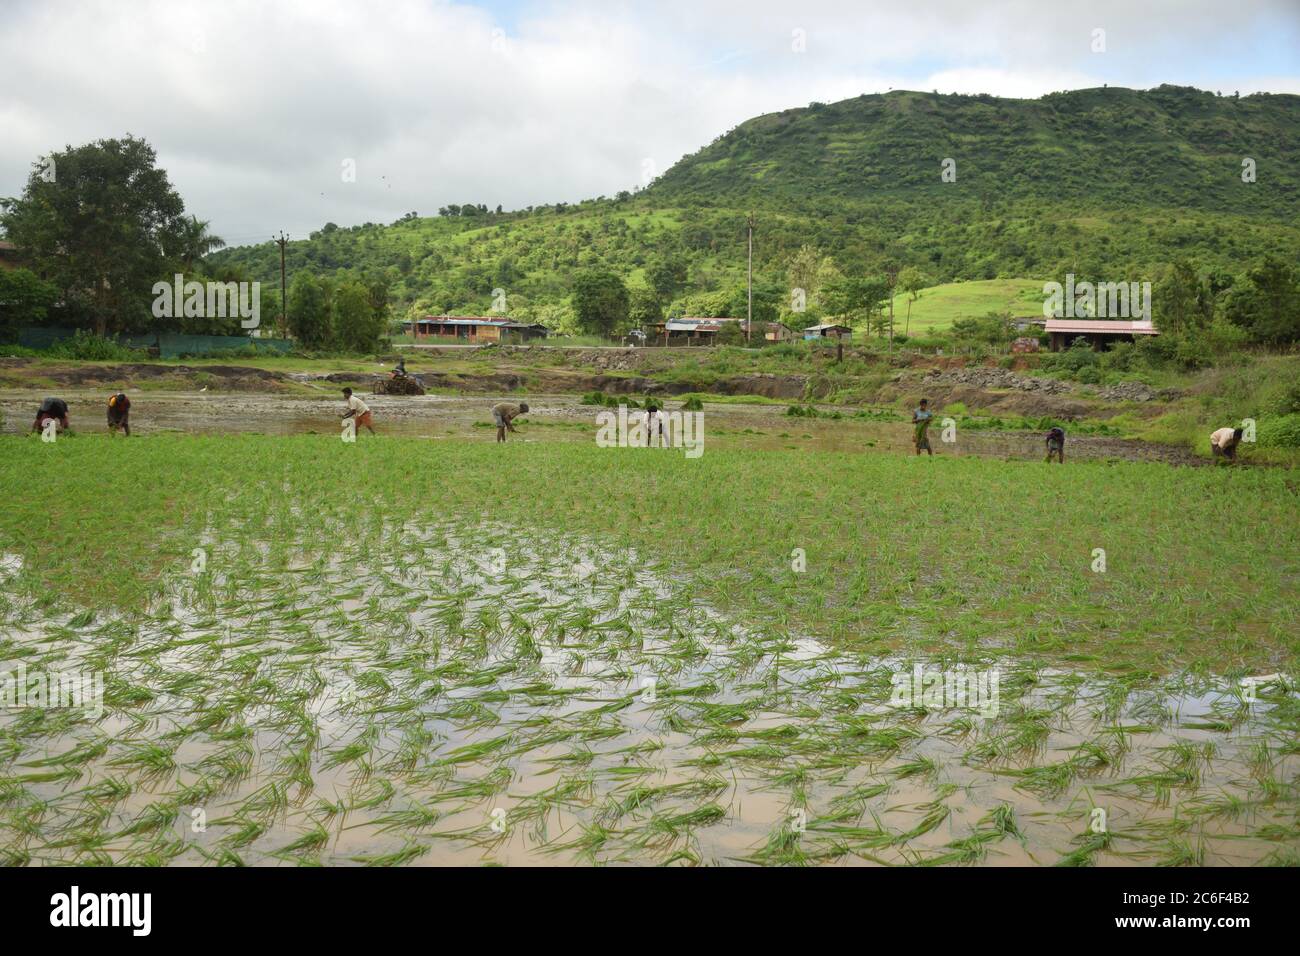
(1111, 183)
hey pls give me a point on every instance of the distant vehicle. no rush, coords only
(635, 337)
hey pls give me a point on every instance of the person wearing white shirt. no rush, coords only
(1224, 442)
(359, 410)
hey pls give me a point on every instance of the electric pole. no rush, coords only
(749, 317)
(284, 304)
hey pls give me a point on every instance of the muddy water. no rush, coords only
(506, 695)
(551, 418)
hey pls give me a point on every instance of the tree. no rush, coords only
(809, 270)
(667, 277)
(194, 242)
(104, 228)
(357, 324)
(25, 299)
(857, 299)
(994, 328)
(309, 318)
(601, 302)
(1268, 307)
(645, 308)
(1180, 298)
(911, 281)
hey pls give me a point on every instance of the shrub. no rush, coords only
(693, 404)
(1279, 431)
(86, 346)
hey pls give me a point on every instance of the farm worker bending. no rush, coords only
(921, 421)
(52, 409)
(1056, 444)
(1224, 442)
(358, 409)
(504, 414)
(119, 414)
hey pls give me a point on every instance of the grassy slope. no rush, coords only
(1148, 176)
(934, 555)
(939, 306)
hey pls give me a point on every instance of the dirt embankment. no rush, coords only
(943, 379)
(17, 372)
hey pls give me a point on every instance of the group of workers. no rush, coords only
(55, 410)
(1223, 442)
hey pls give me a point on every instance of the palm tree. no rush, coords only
(196, 242)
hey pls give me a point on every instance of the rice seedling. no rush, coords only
(617, 689)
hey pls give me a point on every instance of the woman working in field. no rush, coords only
(52, 409)
(119, 414)
(921, 418)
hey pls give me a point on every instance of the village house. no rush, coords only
(476, 329)
(1099, 333)
(829, 330)
(703, 331)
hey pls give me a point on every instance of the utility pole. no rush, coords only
(284, 303)
(749, 318)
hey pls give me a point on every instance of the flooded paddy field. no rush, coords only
(550, 418)
(404, 652)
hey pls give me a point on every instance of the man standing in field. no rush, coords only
(921, 417)
(359, 410)
(119, 414)
(1225, 441)
(504, 414)
(55, 409)
(1056, 444)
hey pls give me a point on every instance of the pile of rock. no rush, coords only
(995, 378)
(1128, 392)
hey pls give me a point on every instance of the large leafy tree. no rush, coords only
(601, 302)
(357, 324)
(101, 222)
(309, 316)
(1268, 306)
(667, 277)
(646, 308)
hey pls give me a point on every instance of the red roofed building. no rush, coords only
(1099, 333)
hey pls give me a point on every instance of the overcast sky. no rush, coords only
(255, 108)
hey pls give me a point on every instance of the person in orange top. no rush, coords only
(119, 414)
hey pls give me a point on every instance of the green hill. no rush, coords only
(939, 306)
(1108, 183)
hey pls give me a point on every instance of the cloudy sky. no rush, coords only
(256, 108)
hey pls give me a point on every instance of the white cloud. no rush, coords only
(253, 106)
